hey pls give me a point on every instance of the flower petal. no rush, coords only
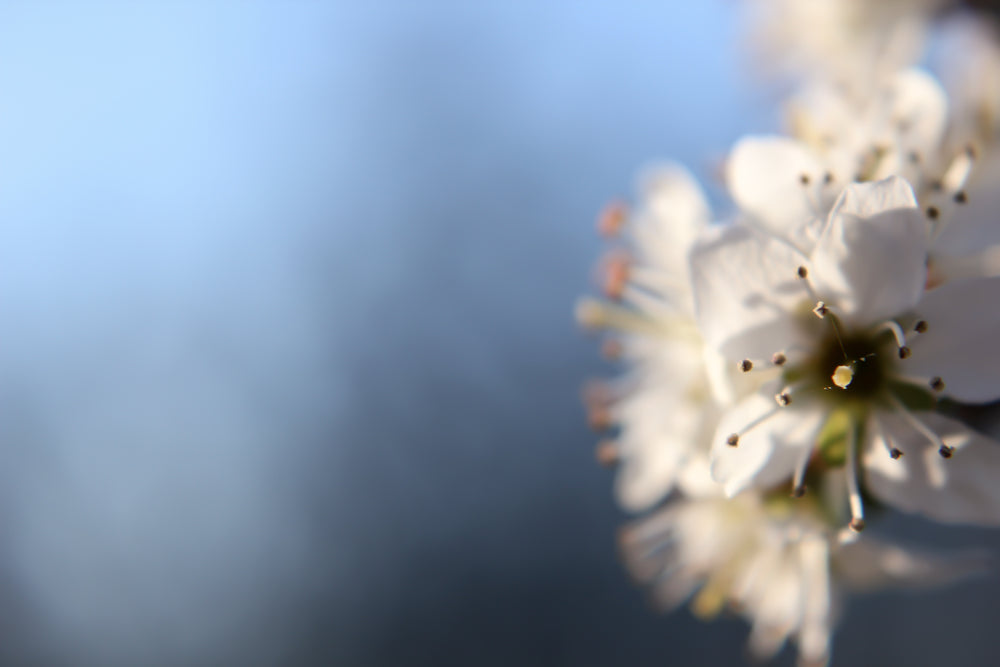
(765, 177)
(768, 453)
(960, 489)
(961, 341)
(871, 259)
(745, 287)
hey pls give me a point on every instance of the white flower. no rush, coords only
(667, 406)
(773, 560)
(851, 42)
(867, 351)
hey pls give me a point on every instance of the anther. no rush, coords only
(857, 525)
(827, 178)
(920, 326)
(616, 276)
(599, 418)
(612, 349)
(895, 453)
(746, 366)
(960, 197)
(798, 491)
(946, 452)
(933, 212)
(820, 310)
(783, 399)
(970, 150)
(905, 352)
(612, 219)
(804, 179)
(853, 491)
(606, 453)
(779, 359)
(913, 157)
(936, 383)
(803, 272)
(733, 440)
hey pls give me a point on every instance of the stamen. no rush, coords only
(820, 310)
(779, 359)
(920, 326)
(746, 365)
(734, 439)
(612, 219)
(784, 399)
(933, 212)
(612, 349)
(936, 383)
(616, 275)
(905, 352)
(857, 508)
(798, 481)
(944, 450)
(606, 453)
(804, 179)
(960, 197)
(897, 331)
(894, 452)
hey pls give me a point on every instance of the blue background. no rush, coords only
(288, 369)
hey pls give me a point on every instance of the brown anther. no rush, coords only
(804, 179)
(905, 352)
(937, 384)
(857, 525)
(599, 418)
(828, 178)
(960, 197)
(779, 359)
(733, 440)
(612, 219)
(937, 186)
(616, 275)
(933, 212)
(606, 453)
(920, 327)
(803, 272)
(612, 349)
(798, 491)
(913, 157)
(970, 150)
(946, 452)
(746, 365)
(783, 399)
(895, 453)
(820, 310)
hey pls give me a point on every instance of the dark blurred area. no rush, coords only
(290, 374)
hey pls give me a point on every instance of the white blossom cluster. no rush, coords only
(795, 369)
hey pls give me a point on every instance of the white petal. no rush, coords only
(961, 342)
(745, 287)
(920, 107)
(962, 489)
(768, 453)
(871, 259)
(764, 175)
(646, 476)
(870, 564)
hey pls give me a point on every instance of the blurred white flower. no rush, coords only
(855, 43)
(787, 185)
(668, 403)
(838, 316)
(774, 561)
